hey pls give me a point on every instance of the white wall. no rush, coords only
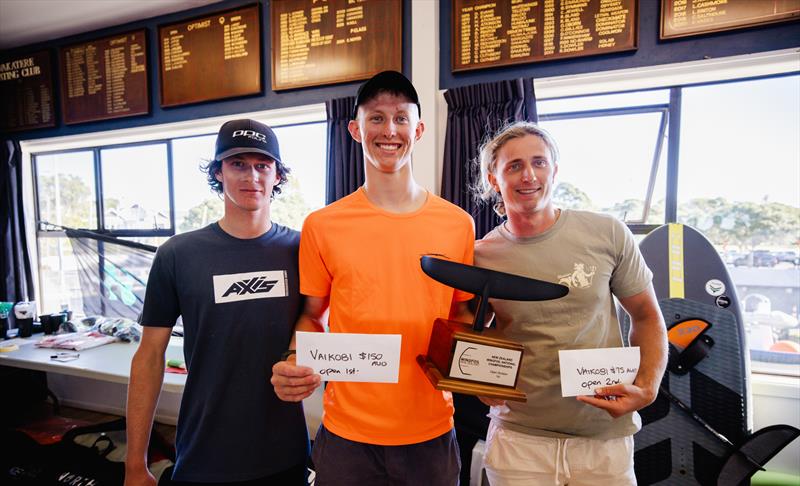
(776, 400)
(425, 76)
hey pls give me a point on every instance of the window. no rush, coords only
(135, 187)
(196, 205)
(58, 275)
(65, 185)
(612, 156)
(735, 177)
(66, 189)
(145, 192)
(303, 151)
(739, 183)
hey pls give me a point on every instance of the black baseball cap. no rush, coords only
(243, 136)
(386, 81)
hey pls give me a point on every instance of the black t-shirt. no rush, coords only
(239, 300)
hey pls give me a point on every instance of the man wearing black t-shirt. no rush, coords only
(235, 285)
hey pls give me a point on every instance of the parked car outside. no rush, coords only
(759, 258)
(788, 257)
(731, 256)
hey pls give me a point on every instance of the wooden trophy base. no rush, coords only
(467, 387)
(494, 376)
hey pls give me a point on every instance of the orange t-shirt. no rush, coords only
(368, 261)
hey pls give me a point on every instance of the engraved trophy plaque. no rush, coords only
(472, 359)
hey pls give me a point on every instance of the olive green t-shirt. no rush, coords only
(597, 257)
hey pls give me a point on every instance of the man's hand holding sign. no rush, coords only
(350, 357)
(603, 378)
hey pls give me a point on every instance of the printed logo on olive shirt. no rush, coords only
(248, 286)
(579, 278)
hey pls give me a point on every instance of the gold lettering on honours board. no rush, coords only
(19, 68)
(199, 25)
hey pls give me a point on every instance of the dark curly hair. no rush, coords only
(212, 167)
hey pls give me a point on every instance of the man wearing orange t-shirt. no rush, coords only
(360, 257)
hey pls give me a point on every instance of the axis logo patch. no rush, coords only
(248, 286)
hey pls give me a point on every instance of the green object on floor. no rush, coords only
(770, 478)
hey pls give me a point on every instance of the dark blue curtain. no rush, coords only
(15, 263)
(345, 160)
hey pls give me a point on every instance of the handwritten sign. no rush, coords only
(585, 370)
(350, 357)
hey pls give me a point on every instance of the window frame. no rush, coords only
(637, 226)
(98, 185)
(675, 77)
(671, 121)
(147, 135)
(752, 67)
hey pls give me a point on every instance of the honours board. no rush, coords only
(315, 43)
(26, 92)
(210, 58)
(681, 18)
(105, 78)
(490, 33)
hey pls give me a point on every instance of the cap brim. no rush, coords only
(245, 150)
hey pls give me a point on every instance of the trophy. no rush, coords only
(471, 359)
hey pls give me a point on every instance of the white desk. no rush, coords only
(98, 379)
(109, 363)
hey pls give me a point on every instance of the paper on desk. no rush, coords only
(14, 342)
(350, 357)
(76, 340)
(585, 370)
